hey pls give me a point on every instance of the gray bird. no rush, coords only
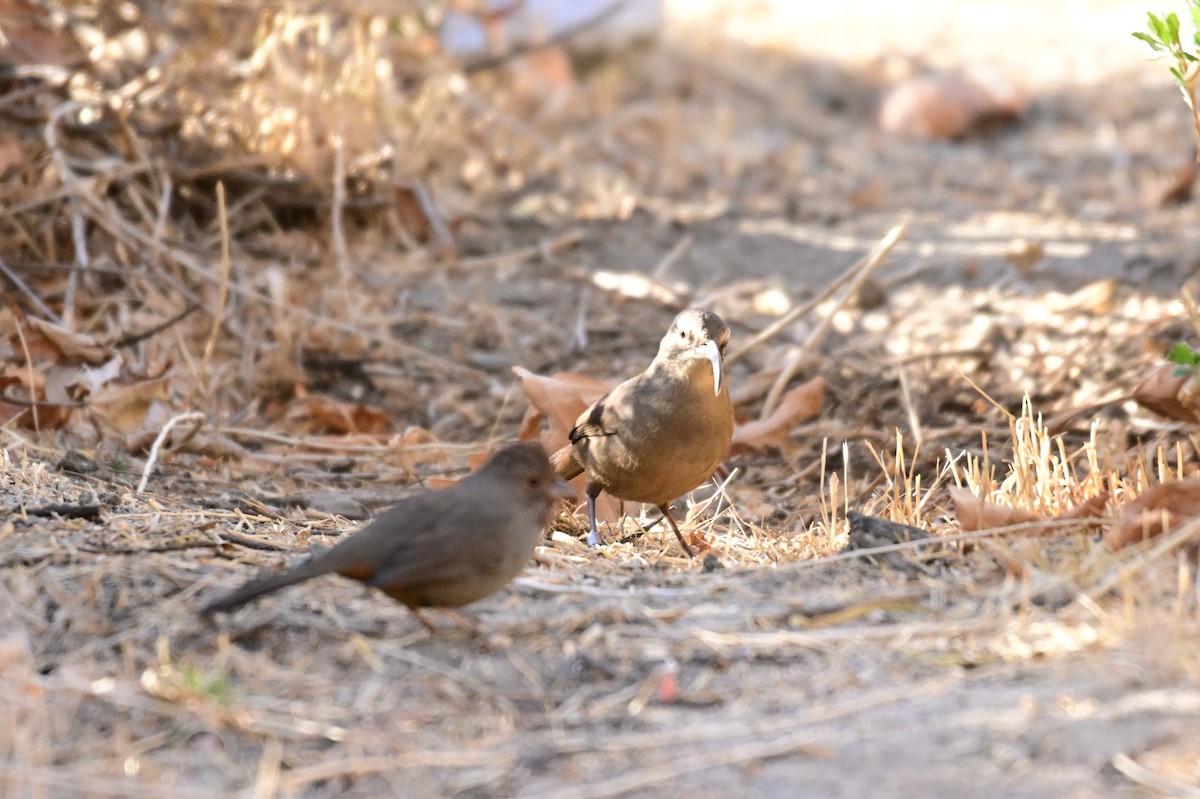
(440, 548)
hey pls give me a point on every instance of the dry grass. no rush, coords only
(393, 232)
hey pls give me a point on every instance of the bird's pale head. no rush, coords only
(697, 333)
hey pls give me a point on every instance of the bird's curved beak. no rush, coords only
(713, 353)
(561, 489)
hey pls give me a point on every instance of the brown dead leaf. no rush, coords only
(28, 344)
(215, 447)
(127, 408)
(410, 214)
(975, 513)
(417, 446)
(29, 409)
(950, 105)
(1170, 395)
(1090, 508)
(33, 37)
(1019, 556)
(1158, 510)
(546, 73)
(1097, 298)
(12, 153)
(347, 418)
(559, 399)
(474, 461)
(1180, 188)
(155, 419)
(74, 347)
(798, 405)
(1024, 254)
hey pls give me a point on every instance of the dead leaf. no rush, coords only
(798, 405)
(869, 196)
(1096, 298)
(1168, 394)
(410, 214)
(950, 105)
(348, 417)
(70, 384)
(35, 413)
(1090, 508)
(74, 347)
(559, 399)
(417, 446)
(547, 77)
(1024, 254)
(975, 513)
(1018, 556)
(1158, 510)
(1181, 186)
(178, 438)
(127, 408)
(215, 446)
(12, 153)
(474, 461)
(29, 345)
(33, 37)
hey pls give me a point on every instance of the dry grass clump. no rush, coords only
(342, 347)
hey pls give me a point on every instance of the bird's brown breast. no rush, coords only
(669, 434)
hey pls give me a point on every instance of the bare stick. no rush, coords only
(223, 294)
(78, 223)
(34, 299)
(910, 407)
(522, 254)
(671, 258)
(33, 408)
(137, 338)
(164, 210)
(1148, 778)
(893, 236)
(869, 265)
(337, 221)
(194, 416)
(82, 260)
(445, 247)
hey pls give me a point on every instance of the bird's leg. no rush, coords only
(593, 538)
(462, 622)
(426, 623)
(666, 512)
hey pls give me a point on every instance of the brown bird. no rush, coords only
(660, 434)
(440, 548)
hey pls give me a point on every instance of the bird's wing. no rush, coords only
(454, 539)
(590, 425)
(598, 420)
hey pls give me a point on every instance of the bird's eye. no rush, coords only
(683, 334)
(531, 482)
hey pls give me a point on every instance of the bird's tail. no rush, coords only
(566, 462)
(264, 585)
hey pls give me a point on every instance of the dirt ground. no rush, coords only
(799, 669)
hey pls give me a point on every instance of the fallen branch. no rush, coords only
(855, 277)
